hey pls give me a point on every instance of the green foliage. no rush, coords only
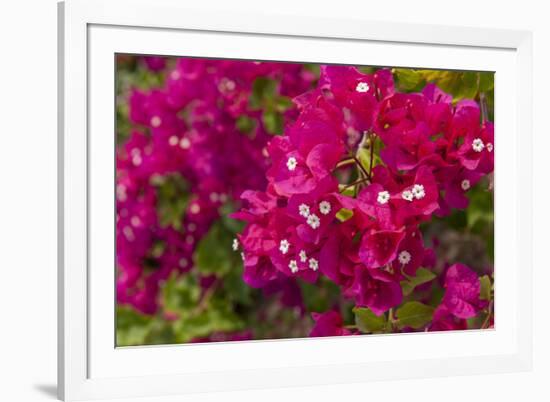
(320, 296)
(460, 84)
(485, 288)
(173, 197)
(214, 254)
(414, 314)
(422, 276)
(265, 97)
(344, 214)
(368, 322)
(245, 124)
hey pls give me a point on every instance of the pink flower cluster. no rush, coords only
(423, 154)
(182, 130)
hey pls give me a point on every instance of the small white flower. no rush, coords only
(195, 208)
(477, 145)
(185, 143)
(407, 195)
(303, 256)
(418, 191)
(291, 163)
(136, 160)
(121, 192)
(183, 262)
(173, 140)
(465, 184)
(293, 265)
(325, 207)
(313, 264)
(383, 197)
(404, 257)
(155, 121)
(362, 87)
(304, 210)
(283, 246)
(235, 244)
(313, 221)
(489, 147)
(135, 221)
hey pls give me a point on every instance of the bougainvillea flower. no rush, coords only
(376, 289)
(477, 151)
(379, 248)
(410, 253)
(328, 324)
(462, 289)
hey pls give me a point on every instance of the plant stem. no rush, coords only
(483, 103)
(355, 183)
(360, 165)
(371, 144)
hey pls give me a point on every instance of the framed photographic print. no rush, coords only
(249, 203)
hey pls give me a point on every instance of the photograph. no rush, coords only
(267, 199)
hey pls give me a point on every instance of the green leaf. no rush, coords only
(408, 79)
(414, 314)
(485, 288)
(273, 121)
(214, 254)
(422, 276)
(180, 293)
(368, 322)
(344, 214)
(132, 327)
(263, 90)
(173, 197)
(245, 124)
(486, 81)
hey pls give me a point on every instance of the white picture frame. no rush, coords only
(91, 32)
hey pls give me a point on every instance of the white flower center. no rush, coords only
(404, 257)
(293, 265)
(284, 245)
(192, 227)
(135, 221)
(303, 256)
(121, 192)
(477, 145)
(214, 197)
(489, 147)
(304, 210)
(189, 239)
(243, 256)
(362, 87)
(313, 264)
(195, 208)
(173, 140)
(407, 195)
(175, 75)
(235, 244)
(383, 197)
(185, 143)
(155, 121)
(325, 207)
(183, 262)
(465, 184)
(418, 191)
(291, 163)
(136, 160)
(313, 221)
